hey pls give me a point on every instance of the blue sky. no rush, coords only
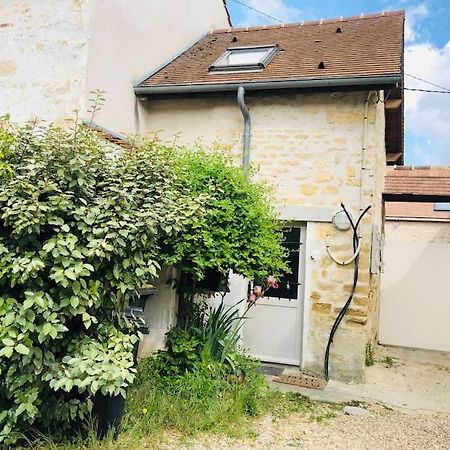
(427, 56)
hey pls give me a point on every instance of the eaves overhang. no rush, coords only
(362, 83)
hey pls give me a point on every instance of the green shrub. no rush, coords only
(181, 355)
(6, 143)
(238, 230)
(79, 232)
(82, 226)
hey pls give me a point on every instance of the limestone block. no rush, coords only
(321, 308)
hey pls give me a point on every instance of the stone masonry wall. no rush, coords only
(309, 148)
(43, 58)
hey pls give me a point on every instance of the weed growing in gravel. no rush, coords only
(285, 404)
(370, 360)
(388, 361)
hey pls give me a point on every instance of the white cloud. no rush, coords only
(413, 24)
(275, 8)
(427, 115)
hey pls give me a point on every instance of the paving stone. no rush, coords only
(356, 411)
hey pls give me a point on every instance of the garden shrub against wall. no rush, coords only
(82, 226)
(238, 230)
(79, 232)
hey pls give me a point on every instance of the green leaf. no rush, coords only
(6, 351)
(47, 328)
(76, 287)
(20, 348)
(70, 273)
(20, 409)
(28, 303)
(48, 246)
(69, 385)
(8, 342)
(39, 301)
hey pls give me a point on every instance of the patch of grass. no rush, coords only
(198, 402)
(125, 441)
(203, 400)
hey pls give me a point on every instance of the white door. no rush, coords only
(273, 330)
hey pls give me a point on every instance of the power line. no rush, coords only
(428, 82)
(426, 90)
(257, 10)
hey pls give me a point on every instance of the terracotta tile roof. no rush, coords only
(415, 211)
(349, 47)
(110, 136)
(411, 183)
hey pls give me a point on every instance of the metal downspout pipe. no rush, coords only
(364, 147)
(247, 126)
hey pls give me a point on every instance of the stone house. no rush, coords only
(415, 305)
(324, 102)
(54, 53)
(317, 107)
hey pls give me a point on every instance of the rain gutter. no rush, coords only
(333, 82)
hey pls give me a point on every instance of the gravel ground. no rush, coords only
(383, 429)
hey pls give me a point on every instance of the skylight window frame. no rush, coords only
(271, 52)
(441, 206)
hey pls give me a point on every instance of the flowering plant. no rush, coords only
(259, 291)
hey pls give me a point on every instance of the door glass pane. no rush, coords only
(288, 284)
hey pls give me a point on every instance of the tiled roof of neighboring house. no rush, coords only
(409, 183)
(415, 211)
(110, 136)
(348, 48)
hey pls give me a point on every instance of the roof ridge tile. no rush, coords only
(309, 22)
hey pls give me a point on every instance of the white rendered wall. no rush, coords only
(415, 297)
(128, 39)
(54, 52)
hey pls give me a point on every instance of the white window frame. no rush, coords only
(218, 67)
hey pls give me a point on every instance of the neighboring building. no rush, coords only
(325, 104)
(54, 52)
(415, 300)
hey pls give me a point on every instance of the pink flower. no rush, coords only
(275, 285)
(271, 280)
(257, 290)
(251, 299)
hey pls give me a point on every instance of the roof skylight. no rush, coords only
(244, 58)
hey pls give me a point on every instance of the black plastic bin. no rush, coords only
(108, 409)
(108, 412)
